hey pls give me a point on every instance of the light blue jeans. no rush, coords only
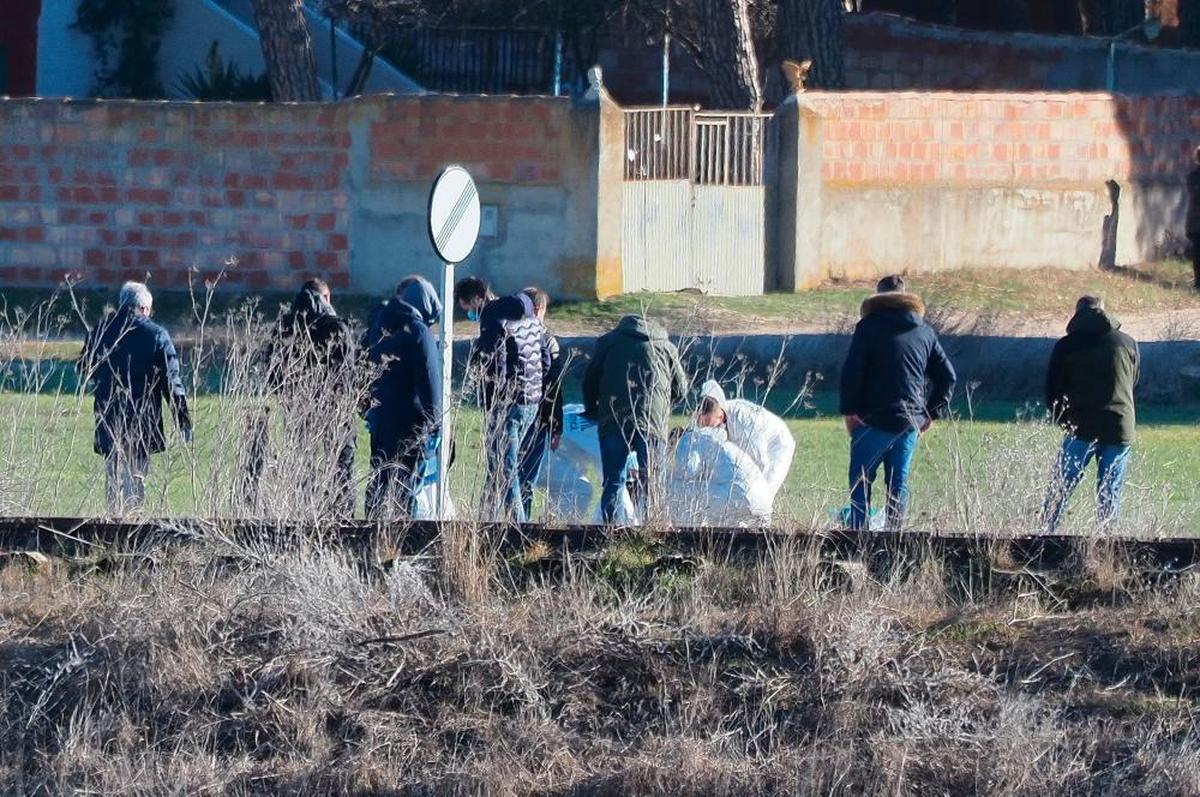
(504, 458)
(870, 448)
(1111, 463)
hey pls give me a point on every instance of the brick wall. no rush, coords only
(109, 191)
(508, 141)
(112, 191)
(980, 180)
(1010, 138)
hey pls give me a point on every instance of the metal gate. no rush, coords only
(692, 207)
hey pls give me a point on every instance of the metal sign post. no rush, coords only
(453, 230)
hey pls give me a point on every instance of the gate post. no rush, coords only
(794, 204)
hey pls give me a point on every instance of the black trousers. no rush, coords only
(393, 465)
(1195, 261)
(338, 496)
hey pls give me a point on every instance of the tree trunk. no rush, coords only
(287, 50)
(812, 29)
(729, 58)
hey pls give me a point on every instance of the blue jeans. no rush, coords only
(537, 444)
(615, 448)
(504, 457)
(868, 449)
(1111, 464)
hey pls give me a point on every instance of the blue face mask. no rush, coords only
(472, 315)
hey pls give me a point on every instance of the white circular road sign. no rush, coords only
(454, 214)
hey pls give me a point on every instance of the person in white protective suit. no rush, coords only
(568, 477)
(754, 429)
(715, 483)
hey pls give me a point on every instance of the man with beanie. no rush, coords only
(1089, 391)
(896, 382)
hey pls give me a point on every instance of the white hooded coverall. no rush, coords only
(762, 434)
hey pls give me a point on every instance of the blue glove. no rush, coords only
(428, 469)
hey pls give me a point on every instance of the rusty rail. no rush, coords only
(81, 536)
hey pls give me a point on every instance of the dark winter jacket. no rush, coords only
(550, 416)
(420, 295)
(634, 379)
(406, 395)
(1090, 381)
(892, 357)
(309, 338)
(1193, 209)
(132, 365)
(512, 351)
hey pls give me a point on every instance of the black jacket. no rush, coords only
(551, 413)
(892, 356)
(1090, 381)
(513, 352)
(406, 395)
(1193, 209)
(309, 338)
(133, 367)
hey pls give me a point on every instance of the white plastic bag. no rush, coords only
(425, 504)
(573, 471)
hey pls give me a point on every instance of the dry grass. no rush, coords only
(235, 671)
(242, 673)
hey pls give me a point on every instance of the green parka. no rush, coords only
(1090, 381)
(634, 379)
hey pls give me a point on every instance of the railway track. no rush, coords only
(75, 537)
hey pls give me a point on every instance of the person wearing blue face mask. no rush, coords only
(513, 358)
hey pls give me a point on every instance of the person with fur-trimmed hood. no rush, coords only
(896, 382)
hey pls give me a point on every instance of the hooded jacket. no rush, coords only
(513, 351)
(418, 294)
(633, 380)
(892, 357)
(133, 367)
(310, 336)
(1090, 380)
(762, 434)
(406, 395)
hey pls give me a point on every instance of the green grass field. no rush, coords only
(988, 472)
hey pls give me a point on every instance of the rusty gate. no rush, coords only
(693, 213)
